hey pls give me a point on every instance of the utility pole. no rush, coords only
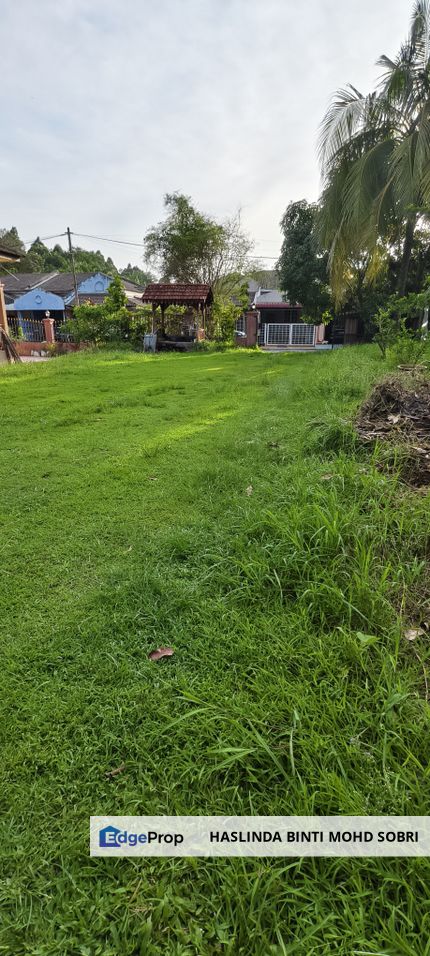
(73, 266)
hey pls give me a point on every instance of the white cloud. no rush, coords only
(108, 106)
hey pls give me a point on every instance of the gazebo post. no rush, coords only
(154, 323)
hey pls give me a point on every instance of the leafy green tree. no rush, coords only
(183, 246)
(375, 152)
(189, 246)
(302, 267)
(39, 258)
(137, 275)
(116, 299)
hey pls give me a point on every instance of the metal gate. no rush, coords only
(286, 334)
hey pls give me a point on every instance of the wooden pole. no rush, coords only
(3, 313)
(73, 266)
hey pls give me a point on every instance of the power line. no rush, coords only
(122, 242)
(30, 242)
(141, 245)
(128, 242)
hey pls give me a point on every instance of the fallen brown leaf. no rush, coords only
(160, 652)
(115, 771)
(393, 419)
(326, 477)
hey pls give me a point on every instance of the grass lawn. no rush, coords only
(126, 524)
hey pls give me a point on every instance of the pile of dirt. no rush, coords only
(398, 411)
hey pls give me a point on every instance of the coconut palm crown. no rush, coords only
(375, 156)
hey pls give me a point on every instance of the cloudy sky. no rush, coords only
(108, 104)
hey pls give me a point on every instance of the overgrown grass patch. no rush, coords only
(126, 524)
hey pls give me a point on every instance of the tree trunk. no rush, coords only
(406, 256)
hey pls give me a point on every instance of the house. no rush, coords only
(30, 296)
(275, 323)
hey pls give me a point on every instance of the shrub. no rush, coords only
(399, 332)
(111, 322)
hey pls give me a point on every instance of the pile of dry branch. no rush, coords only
(398, 411)
(9, 346)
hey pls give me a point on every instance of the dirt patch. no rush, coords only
(398, 412)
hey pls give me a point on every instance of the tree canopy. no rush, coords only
(189, 246)
(136, 274)
(39, 258)
(302, 267)
(375, 152)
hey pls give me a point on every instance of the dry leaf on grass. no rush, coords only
(326, 477)
(152, 478)
(413, 632)
(249, 490)
(160, 652)
(393, 419)
(116, 771)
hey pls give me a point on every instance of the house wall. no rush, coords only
(37, 300)
(96, 284)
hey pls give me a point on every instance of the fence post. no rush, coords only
(251, 328)
(49, 331)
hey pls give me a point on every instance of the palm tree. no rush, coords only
(375, 154)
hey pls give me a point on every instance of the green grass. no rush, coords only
(272, 704)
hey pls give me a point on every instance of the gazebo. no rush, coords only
(198, 297)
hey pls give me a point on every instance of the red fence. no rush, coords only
(40, 336)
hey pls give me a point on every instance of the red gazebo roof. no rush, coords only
(178, 293)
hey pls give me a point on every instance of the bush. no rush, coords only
(225, 315)
(212, 346)
(111, 322)
(408, 347)
(399, 332)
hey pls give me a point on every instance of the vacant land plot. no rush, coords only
(219, 504)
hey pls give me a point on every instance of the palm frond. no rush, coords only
(343, 118)
(365, 196)
(402, 165)
(375, 155)
(420, 27)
